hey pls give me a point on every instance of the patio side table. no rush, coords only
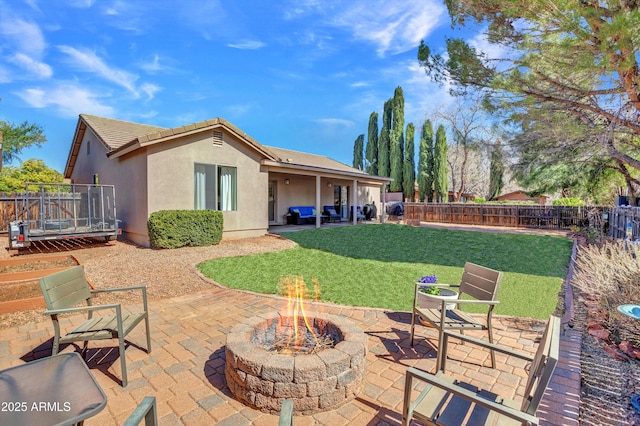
(57, 390)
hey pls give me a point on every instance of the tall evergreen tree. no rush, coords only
(383, 143)
(440, 169)
(371, 155)
(396, 144)
(496, 172)
(425, 163)
(358, 153)
(409, 172)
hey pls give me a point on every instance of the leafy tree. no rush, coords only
(560, 153)
(13, 178)
(425, 163)
(496, 172)
(358, 153)
(396, 144)
(468, 123)
(371, 155)
(577, 60)
(440, 172)
(16, 138)
(409, 172)
(383, 145)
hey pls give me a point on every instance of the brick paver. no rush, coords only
(185, 370)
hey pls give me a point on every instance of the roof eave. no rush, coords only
(162, 136)
(321, 170)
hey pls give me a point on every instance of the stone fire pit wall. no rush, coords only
(316, 382)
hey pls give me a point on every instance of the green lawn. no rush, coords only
(378, 265)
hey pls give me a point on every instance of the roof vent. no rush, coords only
(217, 138)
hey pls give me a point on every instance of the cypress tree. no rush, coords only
(496, 172)
(440, 170)
(425, 163)
(409, 172)
(383, 143)
(358, 153)
(396, 144)
(372, 145)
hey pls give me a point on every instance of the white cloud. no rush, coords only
(150, 90)
(335, 122)
(4, 75)
(360, 84)
(26, 36)
(68, 99)
(393, 27)
(128, 15)
(38, 69)
(87, 60)
(491, 50)
(154, 65)
(82, 3)
(239, 110)
(247, 45)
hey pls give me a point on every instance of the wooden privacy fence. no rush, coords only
(542, 217)
(620, 217)
(12, 208)
(18, 206)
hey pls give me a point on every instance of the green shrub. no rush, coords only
(569, 202)
(179, 228)
(480, 200)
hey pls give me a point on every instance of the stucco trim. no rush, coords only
(188, 130)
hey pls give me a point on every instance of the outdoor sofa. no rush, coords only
(301, 215)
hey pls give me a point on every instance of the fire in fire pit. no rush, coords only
(294, 333)
(318, 360)
(285, 336)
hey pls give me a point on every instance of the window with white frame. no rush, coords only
(215, 187)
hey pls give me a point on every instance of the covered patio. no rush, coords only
(303, 179)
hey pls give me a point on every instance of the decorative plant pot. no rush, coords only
(434, 302)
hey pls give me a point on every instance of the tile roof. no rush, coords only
(288, 156)
(115, 133)
(121, 137)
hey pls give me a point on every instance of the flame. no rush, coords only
(297, 293)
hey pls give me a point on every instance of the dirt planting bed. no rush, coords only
(19, 286)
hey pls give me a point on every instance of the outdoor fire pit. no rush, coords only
(317, 360)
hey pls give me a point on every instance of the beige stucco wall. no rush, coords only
(128, 179)
(169, 169)
(171, 166)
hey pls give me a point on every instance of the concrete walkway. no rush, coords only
(185, 370)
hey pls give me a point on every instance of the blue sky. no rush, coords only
(297, 74)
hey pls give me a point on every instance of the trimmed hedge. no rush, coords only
(179, 228)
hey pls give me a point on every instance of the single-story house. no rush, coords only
(209, 165)
(522, 196)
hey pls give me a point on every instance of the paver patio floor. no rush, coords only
(185, 370)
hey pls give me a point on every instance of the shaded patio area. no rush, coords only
(185, 370)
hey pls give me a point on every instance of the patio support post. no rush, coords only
(354, 203)
(318, 211)
(384, 203)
